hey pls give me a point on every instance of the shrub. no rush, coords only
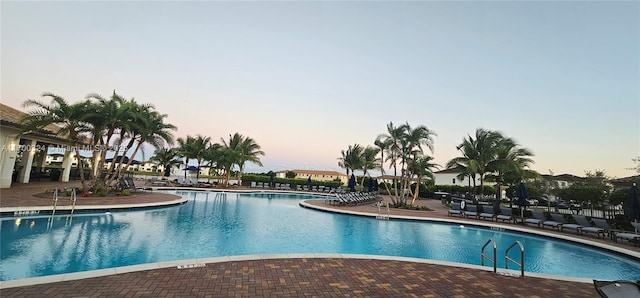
(126, 192)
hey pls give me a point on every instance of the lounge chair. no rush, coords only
(506, 214)
(127, 183)
(253, 184)
(586, 225)
(487, 212)
(617, 288)
(564, 224)
(628, 236)
(455, 209)
(603, 224)
(472, 210)
(538, 218)
(553, 223)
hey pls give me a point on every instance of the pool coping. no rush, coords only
(35, 210)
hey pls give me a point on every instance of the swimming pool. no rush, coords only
(223, 224)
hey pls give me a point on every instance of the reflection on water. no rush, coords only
(221, 224)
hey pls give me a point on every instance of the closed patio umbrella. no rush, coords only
(352, 183)
(271, 180)
(522, 195)
(634, 203)
(370, 184)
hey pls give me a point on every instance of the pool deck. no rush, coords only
(308, 275)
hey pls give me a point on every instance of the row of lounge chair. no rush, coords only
(353, 198)
(287, 186)
(597, 226)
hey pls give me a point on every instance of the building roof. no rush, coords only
(12, 117)
(626, 180)
(449, 171)
(563, 177)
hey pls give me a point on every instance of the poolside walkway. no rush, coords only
(298, 276)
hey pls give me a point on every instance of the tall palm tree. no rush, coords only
(166, 157)
(393, 138)
(193, 148)
(351, 159)
(412, 142)
(383, 145)
(369, 161)
(249, 151)
(421, 166)
(68, 117)
(478, 153)
(511, 160)
(106, 117)
(154, 131)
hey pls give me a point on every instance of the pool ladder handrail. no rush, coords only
(380, 215)
(484, 256)
(73, 200)
(54, 202)
(507, 258)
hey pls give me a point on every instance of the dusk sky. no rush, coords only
(307, 79)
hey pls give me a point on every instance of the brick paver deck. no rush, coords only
(309, 278)
(297, 277)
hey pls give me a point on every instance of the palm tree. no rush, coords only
(166, 157)
(412, 142)
(152, 130)
(478, 153)
(383, 145)
(393, 139)
(370, 160)
(465, 163)
(249, 151)
(351, 159)
(68, 117)
(511, 160)
(421, 165)
(194, 148)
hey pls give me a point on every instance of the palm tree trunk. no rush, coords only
(415, 194)
(80, 168)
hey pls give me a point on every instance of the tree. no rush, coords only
(166, 157)
(351, 159)
(193, 148)
(510, 161)
(412, 142)
(383, 145)
(421, 166)
(393, 139)
(247, 148)
(290, 174)
(478, 153)
(68, 117)
(369, 161)
(103, 125)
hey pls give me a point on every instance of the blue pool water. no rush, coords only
(215, 224)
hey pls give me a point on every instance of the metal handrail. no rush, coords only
(73, 199)
(483, 255)
(507, 258)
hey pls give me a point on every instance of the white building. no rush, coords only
(450, 177)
